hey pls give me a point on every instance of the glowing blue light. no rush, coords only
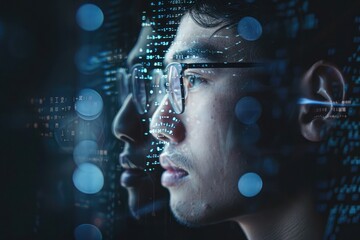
(310, 101)
(85, 151)
(250, 184)
(306, 101)
(86, 59)
(249, 28)
(87, 232)
(89, 17)
(88, 178)
(89, 104)
(248, 110)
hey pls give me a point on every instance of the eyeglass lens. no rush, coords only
(175, 87)
(139, 76)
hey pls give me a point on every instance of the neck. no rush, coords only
(295, 220)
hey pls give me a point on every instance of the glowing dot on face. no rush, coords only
(249, 28)
(89, 17)
(248, 110)
(250, 184)
(85, 151)
(87, 232)
(89, 104)
(88, 178)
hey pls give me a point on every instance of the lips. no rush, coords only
(174, 173)
(132, 175)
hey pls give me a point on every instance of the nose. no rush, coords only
(166, 125)
(127, 125)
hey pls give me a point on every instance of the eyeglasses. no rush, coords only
(175, 84)
(140, 82)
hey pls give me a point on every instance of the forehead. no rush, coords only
(200, 43)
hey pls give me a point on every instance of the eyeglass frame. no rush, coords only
(185, 66)
(130, 85)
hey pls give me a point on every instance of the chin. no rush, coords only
(201, 211)
(191, 214)
(140, 202)
(146, 201)
(186, 220)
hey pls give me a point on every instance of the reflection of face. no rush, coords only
(205, 157)
(145, 193)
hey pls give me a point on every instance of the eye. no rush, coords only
(193, 80)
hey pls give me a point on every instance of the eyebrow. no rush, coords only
(203, 51)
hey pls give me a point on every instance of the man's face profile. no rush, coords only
(145, 195)
(220, 162)
(205, 157)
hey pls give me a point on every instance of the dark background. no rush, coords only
(38, 42)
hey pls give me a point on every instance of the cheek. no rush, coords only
(211, 131)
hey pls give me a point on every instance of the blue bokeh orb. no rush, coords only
(248, 110)
(89, 17)
(87, 232)
(250, 184)
(88, 178)
(249, 28)
(89, 104)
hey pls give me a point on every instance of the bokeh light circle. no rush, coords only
(250, 184)
(89, 17)
(88, 178)
(249, 28)
(87, 232)
(89, 104)
(85, 151)
(248, 110)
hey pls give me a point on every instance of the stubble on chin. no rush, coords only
(191, 213)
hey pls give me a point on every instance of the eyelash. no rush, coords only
(193, 80)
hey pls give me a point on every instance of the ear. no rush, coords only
(322, 86)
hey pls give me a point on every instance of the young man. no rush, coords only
(141, 91)
(236, 118)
